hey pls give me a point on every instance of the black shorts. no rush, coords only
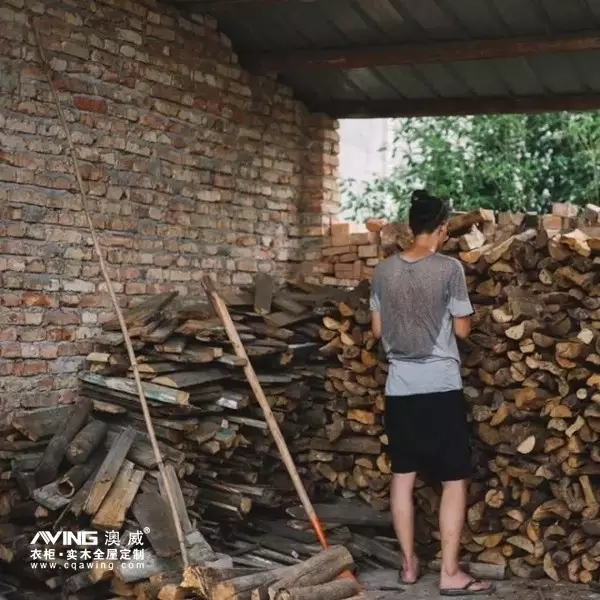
(429, 434)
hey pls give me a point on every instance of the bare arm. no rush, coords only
(462, 327)
(376, 324)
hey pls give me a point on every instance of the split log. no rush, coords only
(322, 568)
(333, 590)
(241, 588)
(47, 470)
(86, 442)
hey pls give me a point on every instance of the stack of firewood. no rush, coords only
(315, 578)
(91, 466)
(107, 485)
(530, 369)
(71, 469)
(189, 370)
(531, 373)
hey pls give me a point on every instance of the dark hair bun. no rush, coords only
(427, 206)
(419, 196)
(426, 212)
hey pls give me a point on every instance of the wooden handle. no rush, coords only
(225, 317)
(238, 347)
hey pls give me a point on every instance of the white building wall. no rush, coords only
(365, 148)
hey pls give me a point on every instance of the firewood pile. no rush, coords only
(530, 369)
(531, 373)
(202, 405)
(90, 467)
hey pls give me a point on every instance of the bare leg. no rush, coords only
(452, 518)
(403, 516)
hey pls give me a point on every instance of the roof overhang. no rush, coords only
(386, 58)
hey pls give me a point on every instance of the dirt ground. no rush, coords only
(383, 585)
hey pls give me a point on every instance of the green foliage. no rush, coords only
(511, 163)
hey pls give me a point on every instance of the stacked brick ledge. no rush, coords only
(349, 252)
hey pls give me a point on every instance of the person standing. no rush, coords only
(420, 305)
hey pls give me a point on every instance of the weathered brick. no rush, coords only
(370, 251)
(348, 258)
(30, 299)
(6, 367)
(10, 350)
(48, 351)
(67, 364)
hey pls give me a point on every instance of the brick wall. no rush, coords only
(192, 166)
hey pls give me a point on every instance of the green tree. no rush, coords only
(515, 163)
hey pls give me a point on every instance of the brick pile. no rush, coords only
(192, 165)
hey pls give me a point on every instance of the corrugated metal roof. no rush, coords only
(261, 26)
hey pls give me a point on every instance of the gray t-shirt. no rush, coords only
(417, 301)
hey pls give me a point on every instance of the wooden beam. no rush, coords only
(442, 107)
(408, 54)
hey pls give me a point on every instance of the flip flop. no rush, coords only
(467, 591)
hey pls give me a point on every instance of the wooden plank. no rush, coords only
(178, 497)
(141, 451)
(195, 354)
(195, 326)
(288, 304)
(152, 391)
(264, 287)
(49, 496)
(111, 514)
(79, 498)
(460, 223)
(174, 344)
(109, 470)
(161, 333)
(232, 360)
(353, 57)
(153, 515)
(108, 408)
(185, 379)
(283, 319)
(156, 368)
(378, 550)
(346, 109)
(142, 313)
(40, 423)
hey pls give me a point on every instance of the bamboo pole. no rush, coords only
(223, 314)
(113, 297)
